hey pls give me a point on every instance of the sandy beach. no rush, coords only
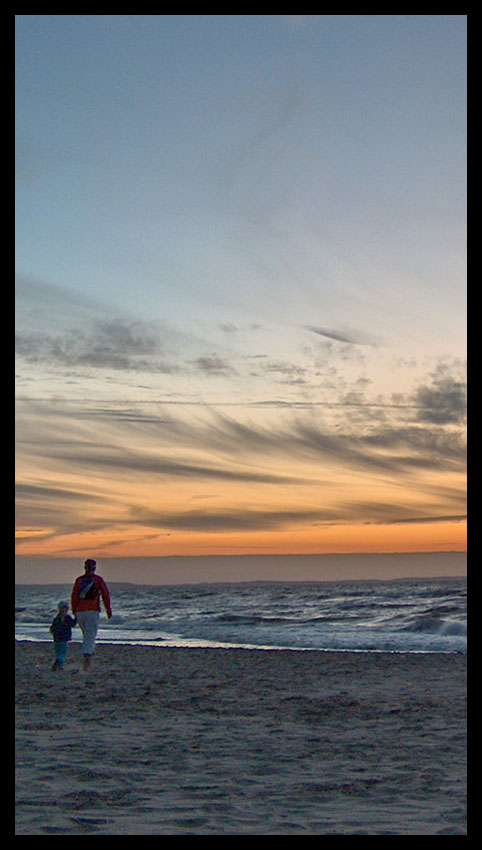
(165, 741)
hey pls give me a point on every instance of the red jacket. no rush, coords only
(92, 601)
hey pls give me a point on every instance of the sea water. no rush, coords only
(409, 615)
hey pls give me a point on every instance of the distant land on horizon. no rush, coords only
(185, 569)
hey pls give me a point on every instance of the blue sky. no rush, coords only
(247, 225)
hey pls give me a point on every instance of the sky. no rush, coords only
(240, 284)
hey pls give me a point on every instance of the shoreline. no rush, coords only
(249, 647)
(235, 741)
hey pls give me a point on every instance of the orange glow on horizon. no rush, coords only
(340, 539)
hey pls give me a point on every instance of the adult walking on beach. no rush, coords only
(86, 594)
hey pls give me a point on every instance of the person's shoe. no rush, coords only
(55, 666)
(86, 662)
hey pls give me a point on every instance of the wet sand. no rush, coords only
(165, 741)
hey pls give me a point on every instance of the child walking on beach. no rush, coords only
(61, 629)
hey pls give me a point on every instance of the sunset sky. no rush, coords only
(240, 284)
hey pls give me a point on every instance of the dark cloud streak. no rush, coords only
(121, 461)
(270, 520)
(355, 338)
(118, 344)
(229, 520)
(444, 401)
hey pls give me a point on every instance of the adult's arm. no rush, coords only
(75, 596)
(104, 592)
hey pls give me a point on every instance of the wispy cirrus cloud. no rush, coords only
(237, 519)
(277, 463)
(240, 519)
(393, 441)
(356, 337)
(109, 457)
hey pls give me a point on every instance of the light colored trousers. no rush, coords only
(89, 623)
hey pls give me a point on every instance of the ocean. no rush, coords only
(406, 615)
